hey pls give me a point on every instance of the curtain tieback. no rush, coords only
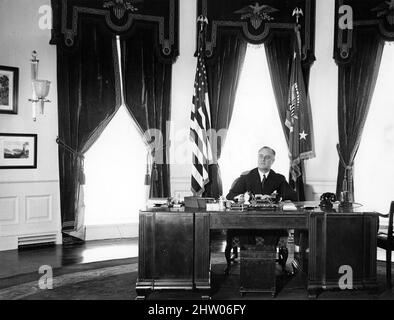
(147, 174)
(348, 176)
(69, 149)
(79, 155)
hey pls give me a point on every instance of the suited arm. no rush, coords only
(286, 192)
(238, 187)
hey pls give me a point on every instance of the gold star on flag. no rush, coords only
(303, 135)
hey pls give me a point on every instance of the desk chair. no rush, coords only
(236, 238)
(386, 241)
(233, 242)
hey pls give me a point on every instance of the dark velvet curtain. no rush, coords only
(223, 72)
(87, 101)
(147, 85)
(356, 84)
(279, 52)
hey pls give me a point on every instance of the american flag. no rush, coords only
(200, 124)
(298, 115)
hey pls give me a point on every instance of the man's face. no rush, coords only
(265, 159)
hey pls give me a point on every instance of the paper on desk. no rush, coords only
(289, 206)
(154, 202)
(213, 207)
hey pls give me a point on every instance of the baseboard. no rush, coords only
(111, 231)
(11, 242)
(8, 243)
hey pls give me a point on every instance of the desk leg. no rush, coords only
(227, 254)
(202, 253)
(206, 295)
(313, 293)
(302, 263)
(142, 294)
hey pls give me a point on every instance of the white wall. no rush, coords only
(182, 91)
(321, 172)
(29, 198)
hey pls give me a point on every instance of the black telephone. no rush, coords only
(327, 199)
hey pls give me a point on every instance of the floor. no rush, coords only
(28, 261)
(16, 262)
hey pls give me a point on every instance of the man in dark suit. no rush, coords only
(262, 182)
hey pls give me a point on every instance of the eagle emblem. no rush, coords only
(385, 9)
(120, 7)
(257, 14)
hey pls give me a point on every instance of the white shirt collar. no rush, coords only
(262, 174)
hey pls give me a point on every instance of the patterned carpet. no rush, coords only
(115, 280)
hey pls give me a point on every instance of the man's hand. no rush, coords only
(262, 196)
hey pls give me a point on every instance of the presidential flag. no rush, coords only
(298, 115)
(200, 124)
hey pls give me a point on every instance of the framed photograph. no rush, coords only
(9, 89)
(18, 151)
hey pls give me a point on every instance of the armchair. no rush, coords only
(234, 239)
(386, 241)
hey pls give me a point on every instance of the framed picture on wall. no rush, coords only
(18, 151)
(9, 89)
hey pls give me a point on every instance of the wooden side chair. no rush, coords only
(386, 241)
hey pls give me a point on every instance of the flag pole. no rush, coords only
(293, 123)
(200, 119)
(201, 22)
(297, 12)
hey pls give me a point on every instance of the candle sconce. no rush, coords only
(40, 87)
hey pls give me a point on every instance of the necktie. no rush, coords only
(263, 182)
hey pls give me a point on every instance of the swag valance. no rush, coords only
(122, 17)
(257, 21)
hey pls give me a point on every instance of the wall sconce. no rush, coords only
(40, 87)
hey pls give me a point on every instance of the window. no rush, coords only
(374, 169)
(255, 122)
(115, 169)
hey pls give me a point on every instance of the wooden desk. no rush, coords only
(342, 240)
(174, 245)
